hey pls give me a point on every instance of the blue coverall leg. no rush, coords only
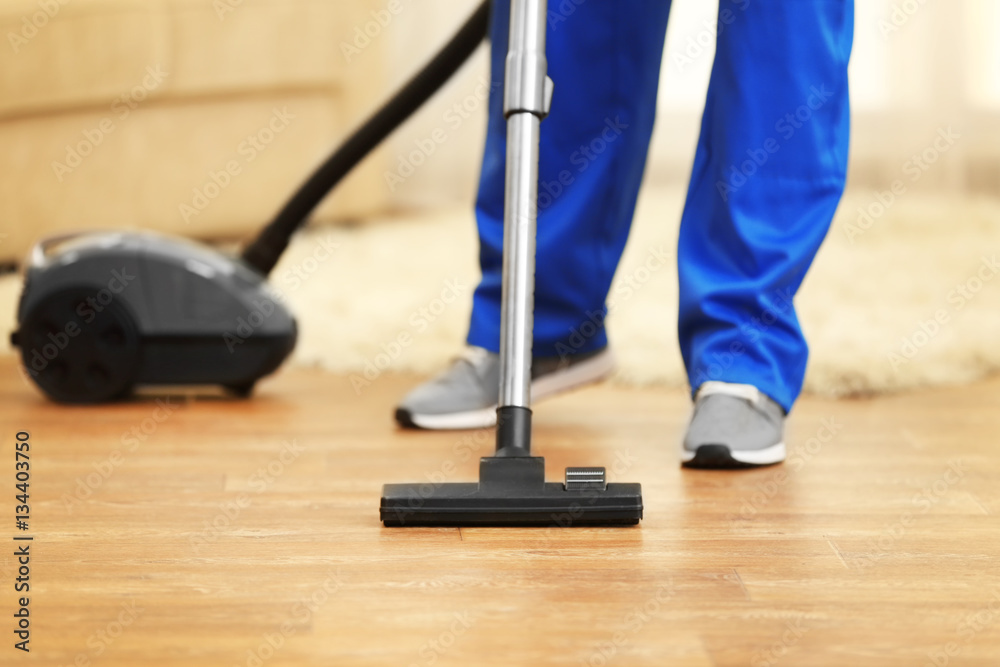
(768, 175)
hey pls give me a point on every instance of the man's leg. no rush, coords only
(604, 58)
(767, 178)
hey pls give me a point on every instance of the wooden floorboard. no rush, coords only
(237, 532)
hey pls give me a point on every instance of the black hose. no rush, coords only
(263, 253)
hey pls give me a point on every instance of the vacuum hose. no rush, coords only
(263, 253)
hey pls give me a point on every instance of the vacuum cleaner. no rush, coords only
(103, 312)
(512, 490)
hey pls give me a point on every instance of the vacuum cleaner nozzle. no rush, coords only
(512, 491)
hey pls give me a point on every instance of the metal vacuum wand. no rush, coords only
(527, 98)
(512, 490)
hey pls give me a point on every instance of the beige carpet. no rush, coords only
(395, 295)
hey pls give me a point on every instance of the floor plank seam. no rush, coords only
(976, 500)
(743, 587)
(704, 647)
(837, 551)
(911, 439)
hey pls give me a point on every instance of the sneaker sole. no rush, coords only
(721, 457)
(586, 372)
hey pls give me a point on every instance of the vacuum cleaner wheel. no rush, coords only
(80, 347)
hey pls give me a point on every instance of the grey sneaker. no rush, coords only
(465, 395)
(733, 426)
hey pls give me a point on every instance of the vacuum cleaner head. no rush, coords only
(103, 312)
(513, 492)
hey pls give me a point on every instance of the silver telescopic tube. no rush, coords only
(516, 320)
(526, 101)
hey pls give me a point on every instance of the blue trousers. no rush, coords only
(767, 178)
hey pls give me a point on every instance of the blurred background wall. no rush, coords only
(918, 66)
(189, 116)
(127, 112)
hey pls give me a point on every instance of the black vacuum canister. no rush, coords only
(104, 312)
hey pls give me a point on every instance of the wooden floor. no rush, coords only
(227, 532)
